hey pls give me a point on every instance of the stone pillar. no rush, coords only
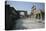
(41, 16)
(25, 14)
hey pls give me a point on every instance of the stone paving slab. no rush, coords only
(28, 23)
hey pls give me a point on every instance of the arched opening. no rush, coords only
(22, 14)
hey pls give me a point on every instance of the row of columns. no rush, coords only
(40, 16)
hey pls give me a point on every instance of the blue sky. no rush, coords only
(26, 6)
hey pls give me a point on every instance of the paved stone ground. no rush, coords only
(29, 23)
